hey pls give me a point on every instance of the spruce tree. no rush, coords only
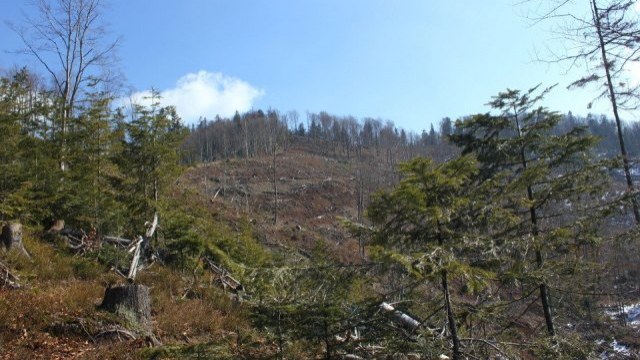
(14, 185)
(548, 179)
(434, 223)
(93, 145)
(151, 158)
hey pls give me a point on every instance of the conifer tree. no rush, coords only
(29, 185)
(151, 155)
(548, 179)
(93, 148)
(432, 222)
(14, 185)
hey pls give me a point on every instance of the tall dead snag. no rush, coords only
(606, 40)
(12, 238)
(135, 261)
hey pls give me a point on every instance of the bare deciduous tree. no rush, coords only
(69, 40)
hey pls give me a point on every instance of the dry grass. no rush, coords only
(184, 311)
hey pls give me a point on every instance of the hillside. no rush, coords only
(55, 314)
(313, 193)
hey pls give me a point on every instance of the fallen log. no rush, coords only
(405, 320)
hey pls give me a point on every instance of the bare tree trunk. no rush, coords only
(275, 186)
(246, 140)
(72, 32)
(544, 291)
(451, 321)
(360, 205)
(614, 105)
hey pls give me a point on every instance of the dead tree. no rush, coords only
(224, 278)
(140, 243)
(606, 40)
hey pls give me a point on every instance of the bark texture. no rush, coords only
(131, 301)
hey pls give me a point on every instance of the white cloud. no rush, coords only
(205, 94)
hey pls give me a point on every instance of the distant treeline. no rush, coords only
(258, 133)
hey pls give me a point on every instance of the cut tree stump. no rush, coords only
(57, 227)
(131, 301)
(12, 238)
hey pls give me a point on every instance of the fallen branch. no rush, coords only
(216, 195)
(491, 344)
(223, 275)
(9, 280)
(115, 269)
(116, 240)
(117, 331)
(136, 249)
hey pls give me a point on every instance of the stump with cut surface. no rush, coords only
(12, 238)
(57, 227)
(131, 301)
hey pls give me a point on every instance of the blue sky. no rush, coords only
(409, 61)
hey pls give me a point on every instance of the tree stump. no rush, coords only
(131, 301)
(57, 227)
(11, 237)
